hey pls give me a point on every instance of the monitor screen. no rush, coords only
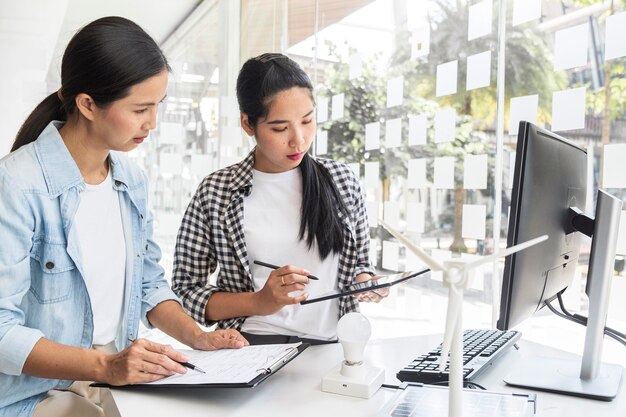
(550, 177)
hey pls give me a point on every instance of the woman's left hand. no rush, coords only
(373, 296)
(220, 339)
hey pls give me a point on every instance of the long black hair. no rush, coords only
(259, 80)
(104, 60)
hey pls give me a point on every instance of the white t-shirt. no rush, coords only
(271, 225)
(98, 222)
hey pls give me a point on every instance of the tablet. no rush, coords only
(382, 282)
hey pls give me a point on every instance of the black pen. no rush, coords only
(276, 267)
(191, 366)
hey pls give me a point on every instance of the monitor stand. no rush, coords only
(588, 377)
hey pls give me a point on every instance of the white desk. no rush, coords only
(296, 388)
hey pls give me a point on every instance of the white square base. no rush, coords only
(363, 387)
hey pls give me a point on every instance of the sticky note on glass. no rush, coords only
(474, 221)
(337, 111)
(417, 130)
(415, 215)
(478, 70)
(420, 42)
(374, 252)
(322, 110)
(372, 136)
(171, 133)
(372, 213)
(614, 171)
(479, 19)
(229, 107)
(525, 11)
(391, 213)
(440, 256)
(171, 163)
(395, 91)
(568, 109)
(390, 255)
(615, 47)
(355, 66)
(570, 47)
(233, 133)
(621, 235)
(447, 78)
(475, 172)
(322, 142)
(444, 172)
(416, 175)
(522, 108)
(445, 125)
(393, 133)
(372, 173)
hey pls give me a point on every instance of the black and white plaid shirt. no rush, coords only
(211, 235)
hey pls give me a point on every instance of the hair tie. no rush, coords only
(60, 95)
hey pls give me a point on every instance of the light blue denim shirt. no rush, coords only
(42, 292)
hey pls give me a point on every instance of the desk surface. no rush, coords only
(296, 389)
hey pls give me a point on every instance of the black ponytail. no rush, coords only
(259, 80)
(104, 60)
(321, 203)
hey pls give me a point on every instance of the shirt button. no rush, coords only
(49, 265)
(141, 216)
(118, 183)
(146, 247)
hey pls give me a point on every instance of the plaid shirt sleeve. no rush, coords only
(194, 260)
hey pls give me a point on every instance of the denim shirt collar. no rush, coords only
(59, 168)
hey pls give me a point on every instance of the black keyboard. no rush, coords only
(480, 349)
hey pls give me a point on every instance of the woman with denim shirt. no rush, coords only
(78, 266)
(279, 206)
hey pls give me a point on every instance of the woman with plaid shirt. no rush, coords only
(281, 206)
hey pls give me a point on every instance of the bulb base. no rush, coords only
(362, 381)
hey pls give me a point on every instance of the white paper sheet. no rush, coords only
(322, 142)
(356, 66)
(444, 172)
(479, 19)
(417, 129)
(615, 46)
(337, 111)
(229, 366)
(395, 91)
(445, 125)
(392, 213)
(474, 221)
(322, 110)
(568, 109)
(372, 136)
(570, 47)
(475, 172)
(372, 173)
(390, 255)
(522, 108)
(393, 133)
(420, 42)
(415, 218)
(447, 78)
(372, 213)
(356, 168)
(416, 175)
(525, 11)
(478, 70)
(614, 172)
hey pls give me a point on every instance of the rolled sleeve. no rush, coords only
(15, 347)
(154, 298)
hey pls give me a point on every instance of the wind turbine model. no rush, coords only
(455, 277)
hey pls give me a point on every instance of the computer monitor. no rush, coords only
(548, 197)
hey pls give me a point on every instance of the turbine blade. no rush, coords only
(508, 251)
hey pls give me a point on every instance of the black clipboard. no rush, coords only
(263, 374)
(383, 282)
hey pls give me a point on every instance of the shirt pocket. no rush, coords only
(52, 271)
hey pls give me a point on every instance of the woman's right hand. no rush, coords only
(143, 361)
(275, 293)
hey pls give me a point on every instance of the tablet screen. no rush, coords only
(382, 282)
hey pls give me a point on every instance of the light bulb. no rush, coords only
(353, 332)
